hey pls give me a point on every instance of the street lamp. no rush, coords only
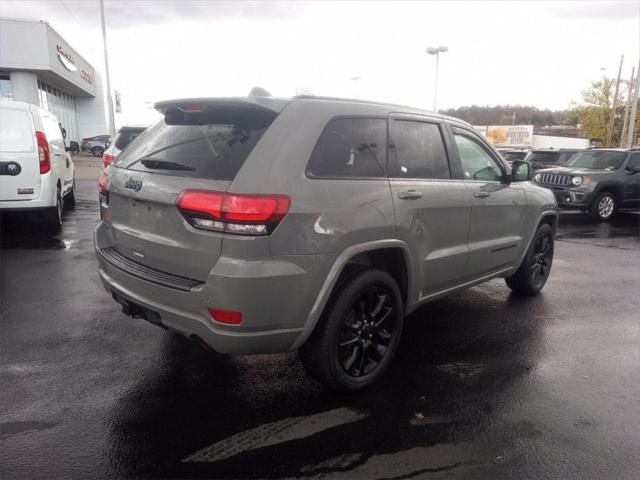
(436, 51)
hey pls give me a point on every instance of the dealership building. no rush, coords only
(38, 66)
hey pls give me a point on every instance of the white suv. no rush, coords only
(36, 172)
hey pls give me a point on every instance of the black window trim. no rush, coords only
(443, 135)
(310, 175)
(486, 147)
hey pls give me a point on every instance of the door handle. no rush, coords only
(410, 195)
(481, 194)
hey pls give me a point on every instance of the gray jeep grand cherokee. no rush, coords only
(260, 225)
(598, 181)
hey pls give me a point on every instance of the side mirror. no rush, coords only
(633, 169)
(521, 171)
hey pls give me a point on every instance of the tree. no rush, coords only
(594, 113)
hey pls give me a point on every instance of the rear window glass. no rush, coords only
(16, 134)
(351, 147)
(546, 157)
(213, 144)
(511, 156)
(417, 151)
(125, 137)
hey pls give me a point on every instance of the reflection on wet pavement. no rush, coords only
(486, 384)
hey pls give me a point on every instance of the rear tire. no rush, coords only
(536, 266)
(97, 151)
(603, 207)
(70, 197)
(53, 217)
(355, 341)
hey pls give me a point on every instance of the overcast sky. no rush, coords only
(534, 53)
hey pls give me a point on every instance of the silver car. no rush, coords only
(261, 225)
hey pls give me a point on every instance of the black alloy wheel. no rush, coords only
(367, 331)
(355, 341)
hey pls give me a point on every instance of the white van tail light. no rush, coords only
(43, 152)
(239, 214)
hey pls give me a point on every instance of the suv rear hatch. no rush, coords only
(199, 145)
(19, 161)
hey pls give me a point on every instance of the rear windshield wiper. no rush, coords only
(164, 165)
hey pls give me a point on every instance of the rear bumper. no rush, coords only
(275, 302)
(46, 199)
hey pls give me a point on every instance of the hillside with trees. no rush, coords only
(504, 115)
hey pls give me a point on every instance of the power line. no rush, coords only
(71, 13)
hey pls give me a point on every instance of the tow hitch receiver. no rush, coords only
(133, 310)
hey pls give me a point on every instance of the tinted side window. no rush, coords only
(476, 162)
(351, 147)
(417, 151)
(634, 161)
(125, 138)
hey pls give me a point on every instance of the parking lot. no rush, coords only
(485, 384)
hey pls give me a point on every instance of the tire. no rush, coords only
(53, 217)
(603, 207)
(97, 151)
(70, 197)
(536, 266)
(345, 352)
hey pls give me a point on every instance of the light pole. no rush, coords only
(436, 51)
(112, 120)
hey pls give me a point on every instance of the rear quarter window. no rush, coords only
(350, 148)
(16, 131)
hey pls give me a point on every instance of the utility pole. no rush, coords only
(613, 107)
(634, 108)
(627, 108)
(112, 121)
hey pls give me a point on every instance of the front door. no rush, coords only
(632, 180)
(432, 208)
(497, 206)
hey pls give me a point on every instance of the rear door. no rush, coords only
(201, 150)
(497, 207)
(19, 163)
(432, 207)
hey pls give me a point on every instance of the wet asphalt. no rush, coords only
(485, 384)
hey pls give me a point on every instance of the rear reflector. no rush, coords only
(234, 213)
(225, 316)
(44, 155)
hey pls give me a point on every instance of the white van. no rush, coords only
(36, 172)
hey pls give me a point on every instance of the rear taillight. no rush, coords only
(84, 141)
(103, 190)
(108, 159)
(44, 156)
(233, 213)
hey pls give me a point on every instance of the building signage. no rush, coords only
(66, 59)
(508, 135)
(86, 76)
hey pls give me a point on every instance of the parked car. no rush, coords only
(255, 228)
(596, 181)
(95, 145)
(547, 158)
(74, 147)
(123, 138)
(36, 172)
(511, 155)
